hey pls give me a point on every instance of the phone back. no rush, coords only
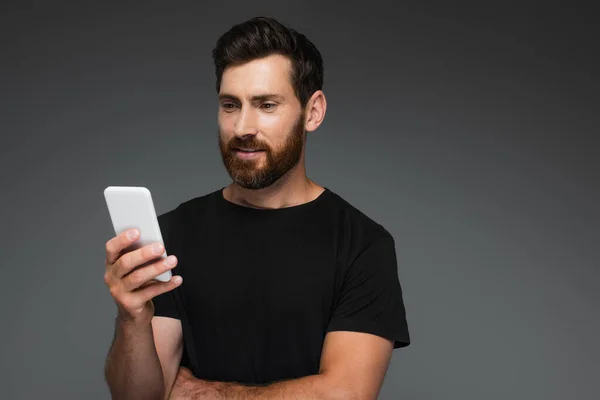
(132, 207)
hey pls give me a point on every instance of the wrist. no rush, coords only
(129, 324)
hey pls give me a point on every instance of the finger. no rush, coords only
(143, 275)
(137, 258)
(117, 244)
(156, 289)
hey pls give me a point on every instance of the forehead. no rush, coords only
(264, 75)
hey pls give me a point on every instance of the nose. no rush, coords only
(245, 123)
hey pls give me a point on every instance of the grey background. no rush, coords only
(468, 131)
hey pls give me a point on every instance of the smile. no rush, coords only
(247, 154)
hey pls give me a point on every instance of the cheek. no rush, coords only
(275, 128)
(225, 129)
(225, 123)
(271, 121)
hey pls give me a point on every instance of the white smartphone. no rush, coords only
(132, 207)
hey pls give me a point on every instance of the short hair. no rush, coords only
(260, 37)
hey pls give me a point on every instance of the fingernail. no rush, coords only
(132, 234)
(177, 280)
(157, 248)
(170, 261)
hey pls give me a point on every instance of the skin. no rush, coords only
(142, 360)
(146, 353)
(269, 122)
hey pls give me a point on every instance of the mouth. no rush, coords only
(247, 153)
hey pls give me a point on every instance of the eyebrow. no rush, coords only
(258, 97)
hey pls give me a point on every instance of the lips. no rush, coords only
(247, 154)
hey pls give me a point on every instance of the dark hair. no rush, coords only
(262, 36)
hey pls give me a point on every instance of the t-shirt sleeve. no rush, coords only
(371, 298)
(164, 304)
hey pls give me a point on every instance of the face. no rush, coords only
(261, 122)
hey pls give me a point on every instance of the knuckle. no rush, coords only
(123, 262)
(136, 278)
(126, 303)
(114, 268)
(114, 292)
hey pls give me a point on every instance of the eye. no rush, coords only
(227, 106)
(268, 106)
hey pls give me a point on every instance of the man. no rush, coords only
(288, 291)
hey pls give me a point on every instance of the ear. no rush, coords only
(315, 110)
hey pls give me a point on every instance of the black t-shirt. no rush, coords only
(262, 287)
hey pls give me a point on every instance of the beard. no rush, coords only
(266, 169)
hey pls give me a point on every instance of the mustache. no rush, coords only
(250, 144)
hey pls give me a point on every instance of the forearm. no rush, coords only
(132, 368)
(309, 387)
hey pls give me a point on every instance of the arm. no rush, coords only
(168, 340)
(143, 360)
(132, 367)
(143, 347)
(353, 366)
(368, 322)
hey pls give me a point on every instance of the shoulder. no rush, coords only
(356, 228)
(358, 219)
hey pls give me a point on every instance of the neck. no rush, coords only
(292, 189)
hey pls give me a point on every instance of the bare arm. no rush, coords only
(309, 387)
(168, 340)
(145, 350)
(353, 366)
(132, 369)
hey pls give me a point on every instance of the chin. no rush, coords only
(256, 183)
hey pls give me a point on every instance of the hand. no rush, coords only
(133, 290)
(182, 389)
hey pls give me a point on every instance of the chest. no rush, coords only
(272, 277)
